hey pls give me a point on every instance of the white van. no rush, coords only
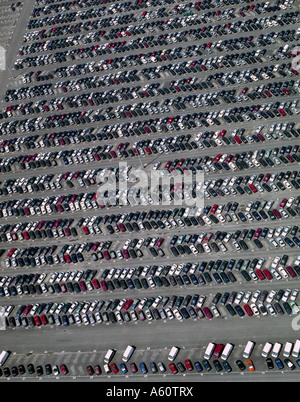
(248, 349)
(3, 357)
(276, 349)
(296, 349)
(128, 353)
(209, 350)
(109, 355)
(226, 351)
(173, 353)
(266, 350)
(106, 368)
(287, 349)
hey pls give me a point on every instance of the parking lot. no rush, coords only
(101, 96)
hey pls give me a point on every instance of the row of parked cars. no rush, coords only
(214, 117)
(186, 243)
(31, 369)
(145, 277)
(212, 30)
(157, 308)
(154, 106)
(148, 276)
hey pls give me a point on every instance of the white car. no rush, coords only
(201, 301)
(151, 282)
(287, 184)
(255, 296)
(275, 274)
(247, 296)
(295, 307)
(286, 295)
(263, 311)
(177, 314)
(294, 294)
(270, 309)
(238, 298)
(283, 272)
(170, 315)
(215, 311)
(271, 296)
(275, 262)
(193, 248)
(236, 245)
(254, 309)
(140, 243)
(206, 248)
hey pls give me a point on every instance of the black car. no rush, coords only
(269, 363)
(30, 368)
(240, 365)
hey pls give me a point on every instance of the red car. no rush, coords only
(260, 274)
(67, 259)
(95, 246)
(44, 319)
(248, 310)
(97, 369)
(104, 286)
(217, 158)
(207, 312)
(63, 369)
(180, 162)
(96, 283)
(10, 253)
(238, 140)
(291, 271)
(253, 188)
(282, 112)
(85, 230)
(257, 233)
(188, 364)
(63, 288)
(127, 304)
(122, 227)
(141, 315)
(268, 274)
(90, 370)
(214, 208)
(283, 202)
(173, 368)
(27, 309)
(126, 254)
(159, 242)
(290, 158)
(133, 367)
(37, 321)
(114, 368)
(82, 286)
(208, 237)
(106, 255)
(26, 235)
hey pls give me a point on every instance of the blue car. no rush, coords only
(279, 363)
(123, 368)
(143, 368)
(206, 364)
(198, 366)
